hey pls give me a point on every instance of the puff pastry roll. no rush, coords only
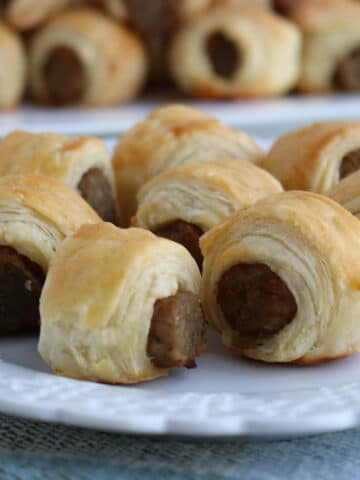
(184, 202)
(168, 137)
(36, 214)
(81, 163)
(281, 279)
(331, 51)
(84, 57)
(236, 52)
(156, 21)
(12, 68)
(27, 14)
(315, 157)
(134, 314)
(347, 193)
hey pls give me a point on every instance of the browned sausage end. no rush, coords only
(255, 301)
(178, 331)
(185, 233)
(64, 76)
(350, 163)
(21, 281)
(95, 188)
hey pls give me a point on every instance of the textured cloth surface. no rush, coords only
(33, 450)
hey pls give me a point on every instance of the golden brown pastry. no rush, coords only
(281, 279)
(81, 163)
(170, 136)
(186, 201)
(27, 14)
(12, 68)
(347, 193)
(36, 214)
(315, 157)
(83, 57)
(241, 3)
(134, 314)
(156, 21)
(115, 8)
(236, 52)
(331, 51)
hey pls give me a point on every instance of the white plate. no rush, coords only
(261, 117)
(224, 396)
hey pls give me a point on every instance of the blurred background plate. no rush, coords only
(258, 117)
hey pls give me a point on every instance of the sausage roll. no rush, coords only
(84, 57)
(315, 157)
(186, 201)
(236, 52)
(12, 68)
(171, 136)
(36, 214)
(134, 314)
(281, 279)
(156, 21)
(28, 14)
(82, 164)
(347, 193)
(331, 51)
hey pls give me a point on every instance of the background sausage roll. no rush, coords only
(27, 14)
(12, 68)
(84, 57)
(156, 21)
(134, 314)
(281, 279)
(315, 157)
(331, 52)
(36, 214)
(186, 201)
(171, 136)
(81, 163)
(236, 52)
(347, 193)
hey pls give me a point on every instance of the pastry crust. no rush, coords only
(171, 136)
(330, 32)
(97, 328)
(27, 14)
(347, 193)
(12, 68)
(111, 59)
(66, 159)
(156, 21)
(310, 158)
(236, 52)
(313, 245)
(202, 194)
(37, 213)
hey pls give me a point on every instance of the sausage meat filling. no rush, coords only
(347, 72)
(223, 54)
(21, 281)
(186, 234)
(350, 163)
(95, 188)
(178, 331)
(284, 7)
(64, 76)
(254, 300)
